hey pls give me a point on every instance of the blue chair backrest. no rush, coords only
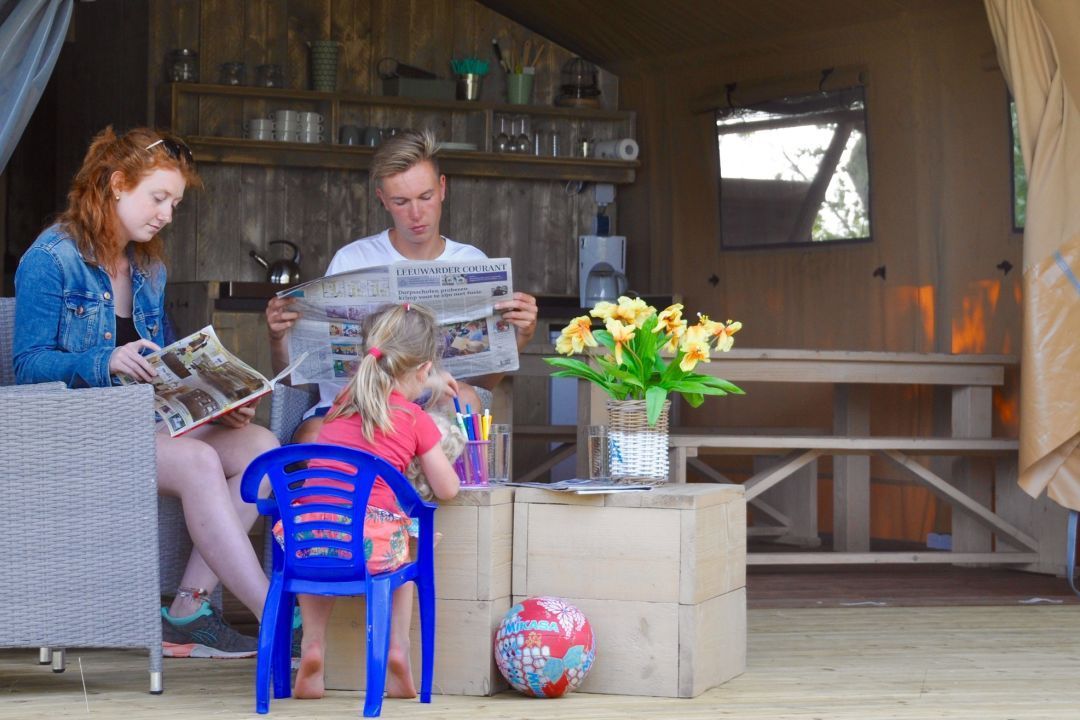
(330, 548)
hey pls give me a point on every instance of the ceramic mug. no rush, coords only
(349, 135)
(259, 129)
(285, 119)
(372, 136)
(286, 134)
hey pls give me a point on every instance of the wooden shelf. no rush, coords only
(240, 151)
(255, 93)
(212, 148)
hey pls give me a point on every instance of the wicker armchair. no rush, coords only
(80, 537)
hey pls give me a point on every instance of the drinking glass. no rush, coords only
(502, 140)
(598, 452)
(500, 453)
(522, 143)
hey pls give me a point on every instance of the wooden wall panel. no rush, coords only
(536, 223)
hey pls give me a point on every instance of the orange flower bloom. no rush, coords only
(575, 337)
(622, 334)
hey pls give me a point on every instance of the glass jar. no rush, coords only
(232, 73)
(270, 76)
(182, 65)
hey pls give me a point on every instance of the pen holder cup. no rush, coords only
(472, 465)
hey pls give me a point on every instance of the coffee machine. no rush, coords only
(601, 268)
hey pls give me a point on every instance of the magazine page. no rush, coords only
(198, 380)
(475, 339)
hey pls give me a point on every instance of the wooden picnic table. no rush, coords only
(968, 487)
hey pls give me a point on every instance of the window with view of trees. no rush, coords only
(794, 171)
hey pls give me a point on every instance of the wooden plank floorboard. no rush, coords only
(900, 585)
(908, 663)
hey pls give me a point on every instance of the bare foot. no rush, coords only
(309, 676)
(399, 679)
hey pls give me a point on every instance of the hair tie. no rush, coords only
(375, 352)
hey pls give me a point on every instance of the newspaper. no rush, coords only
(475, 339)
(590, 486)
(198, 380)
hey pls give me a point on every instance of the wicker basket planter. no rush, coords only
(637, 449)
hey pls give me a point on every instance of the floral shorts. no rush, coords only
(386, 537)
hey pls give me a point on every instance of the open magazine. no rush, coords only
(475, 339)
(198, 380)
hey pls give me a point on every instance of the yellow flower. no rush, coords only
(694, 351)
(724, 339)
(635, 311)
(622, 334)
(721, 331)
(670, 319)
(603, 310)
(575, 337)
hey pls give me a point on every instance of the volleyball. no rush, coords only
(544, 647)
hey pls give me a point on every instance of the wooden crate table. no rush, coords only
(660, 575)
(472, 587)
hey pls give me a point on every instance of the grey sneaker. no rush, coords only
(204, 635)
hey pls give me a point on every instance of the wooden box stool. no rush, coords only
(660, 575)
(472, 589)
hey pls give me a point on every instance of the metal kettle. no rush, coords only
(281, 271)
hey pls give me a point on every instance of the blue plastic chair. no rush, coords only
(300, 568)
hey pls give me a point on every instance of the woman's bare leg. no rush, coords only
(204, 469)
(315, 610)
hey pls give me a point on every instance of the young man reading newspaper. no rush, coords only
(410, 187)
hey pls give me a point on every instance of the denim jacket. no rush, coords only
(65, 319)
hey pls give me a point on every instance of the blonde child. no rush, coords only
(376, 413)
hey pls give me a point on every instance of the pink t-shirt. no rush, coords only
(414, 433)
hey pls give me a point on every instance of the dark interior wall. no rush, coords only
(244, 208)
(99, 79)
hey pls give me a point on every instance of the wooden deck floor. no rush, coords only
(976, 663)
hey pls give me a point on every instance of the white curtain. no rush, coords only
(1039, 54)
(30, 40)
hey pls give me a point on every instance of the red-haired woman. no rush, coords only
(90, 296)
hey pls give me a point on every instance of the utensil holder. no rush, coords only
(519, 87)
(472, 465)
(469, 85)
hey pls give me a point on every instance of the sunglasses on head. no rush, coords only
(175, 148)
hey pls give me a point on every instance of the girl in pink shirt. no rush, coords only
(375, 413)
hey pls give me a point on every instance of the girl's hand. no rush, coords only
(442, 385)
(450, 387)
(127, 359)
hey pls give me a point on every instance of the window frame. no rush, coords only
(808, 244)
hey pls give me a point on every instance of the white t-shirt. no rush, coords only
(378, 250)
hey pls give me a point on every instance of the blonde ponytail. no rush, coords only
(398, 339)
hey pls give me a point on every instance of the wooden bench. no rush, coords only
(797, 451)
